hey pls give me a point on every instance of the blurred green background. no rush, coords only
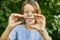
(49, 8)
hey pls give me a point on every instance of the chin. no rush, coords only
(31, 23)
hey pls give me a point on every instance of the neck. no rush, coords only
(28, 27)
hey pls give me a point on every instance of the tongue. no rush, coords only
(29, 20)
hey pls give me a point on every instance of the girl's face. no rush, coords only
(29, 14)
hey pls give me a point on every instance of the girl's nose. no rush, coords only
(30, 14)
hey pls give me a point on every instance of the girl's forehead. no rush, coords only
(28, 7)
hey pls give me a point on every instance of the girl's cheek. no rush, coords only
(25, 15)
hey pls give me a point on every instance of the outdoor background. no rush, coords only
(49, 8)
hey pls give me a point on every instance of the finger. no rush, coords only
(39, 15)
(37, 20)
(17, 23)
(35, 26)
(42, 17)
(17, 15)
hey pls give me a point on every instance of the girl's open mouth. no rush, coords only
(30, 19)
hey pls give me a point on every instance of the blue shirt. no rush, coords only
(21, 33)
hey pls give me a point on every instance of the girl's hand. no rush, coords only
(13, 18)
(40, 25)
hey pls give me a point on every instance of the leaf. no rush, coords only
(7, 9)
(2, 19)
(15, 1)
(4, 24)
(7, 14)
(1, 12)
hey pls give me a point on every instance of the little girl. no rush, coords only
(34, 23)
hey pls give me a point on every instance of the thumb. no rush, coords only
(17, 23)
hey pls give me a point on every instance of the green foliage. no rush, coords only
(49, 8)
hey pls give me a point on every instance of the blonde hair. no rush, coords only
(35, 5)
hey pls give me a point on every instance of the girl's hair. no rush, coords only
(34, 4)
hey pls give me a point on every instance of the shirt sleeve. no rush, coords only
(12, 35)
(40, 37)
